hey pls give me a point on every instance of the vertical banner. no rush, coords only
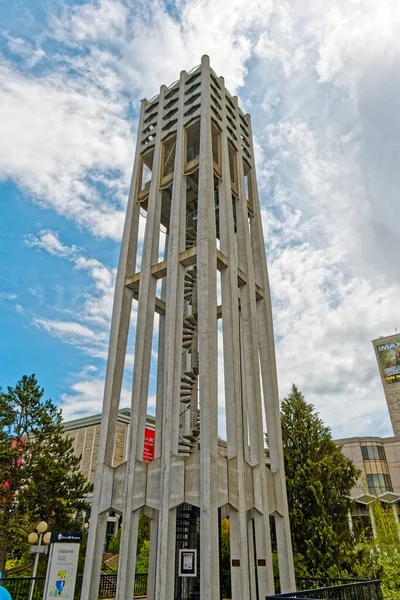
(62, 568)
(149, 439)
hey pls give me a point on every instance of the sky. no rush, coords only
(321, 81)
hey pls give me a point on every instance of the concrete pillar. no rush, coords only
(232, 374)
(172, 366)
(350, 523)
(113, 384)
(372, 517)
(270, 390)
(140, 385)
(251, 371)
(396, 517)
(207, 336)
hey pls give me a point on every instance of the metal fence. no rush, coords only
(311, 583)
(351, 590)
(310, 588)
(19, 586)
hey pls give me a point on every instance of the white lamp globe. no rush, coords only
(42, 527)
(47, 537)
(33, 538)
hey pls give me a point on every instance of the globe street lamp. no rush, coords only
(32, 539)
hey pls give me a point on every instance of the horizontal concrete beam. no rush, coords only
(188, 258)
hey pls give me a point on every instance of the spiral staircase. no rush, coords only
(189, 414)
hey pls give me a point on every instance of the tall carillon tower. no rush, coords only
(199, 284)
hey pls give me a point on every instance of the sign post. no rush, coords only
(62, 568)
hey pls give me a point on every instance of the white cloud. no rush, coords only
(86, 398)
(21, 48)
(50, 242)
(89, 331)
(77, 138)
(7, 296)
(20, 309)
(97, 307)
(87, 370)
(142, 48)
(75, 330)
(322, 82)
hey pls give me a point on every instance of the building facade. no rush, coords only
(202, 269)
(379, 462)
(387, 351)
(378, 459)
(85, 434)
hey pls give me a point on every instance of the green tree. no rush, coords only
(379, 556)
(39, 474)
(225, 546)
(143, 535)
(319, 479)
(115, 541)
(142, 561)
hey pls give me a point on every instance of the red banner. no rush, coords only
(148, 450)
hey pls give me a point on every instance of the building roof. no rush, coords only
(386, 337)
(368, 438)
(124, 414)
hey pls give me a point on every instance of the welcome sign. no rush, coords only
(62, 568)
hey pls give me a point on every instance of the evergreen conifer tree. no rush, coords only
(319, 480)
(39, 473)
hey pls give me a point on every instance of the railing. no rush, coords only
(226, 585)
(19, 586)
(312, 588)
(140, 584)
(311, 583)
(352, 590)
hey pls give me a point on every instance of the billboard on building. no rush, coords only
(388, 354)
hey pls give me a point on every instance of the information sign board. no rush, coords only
(63, 565)
(187, 563)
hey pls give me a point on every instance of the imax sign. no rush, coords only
(391, 346)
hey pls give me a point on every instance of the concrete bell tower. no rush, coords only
(194, 180)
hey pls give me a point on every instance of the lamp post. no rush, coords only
(32, 539)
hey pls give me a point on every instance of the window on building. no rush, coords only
(378, 483)
(168, 163)
(192, 141)
(373, 453)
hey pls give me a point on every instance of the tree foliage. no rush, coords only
(379, 555)
(225, 546)
(143, 542)
(39, 474)
(319, 479)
